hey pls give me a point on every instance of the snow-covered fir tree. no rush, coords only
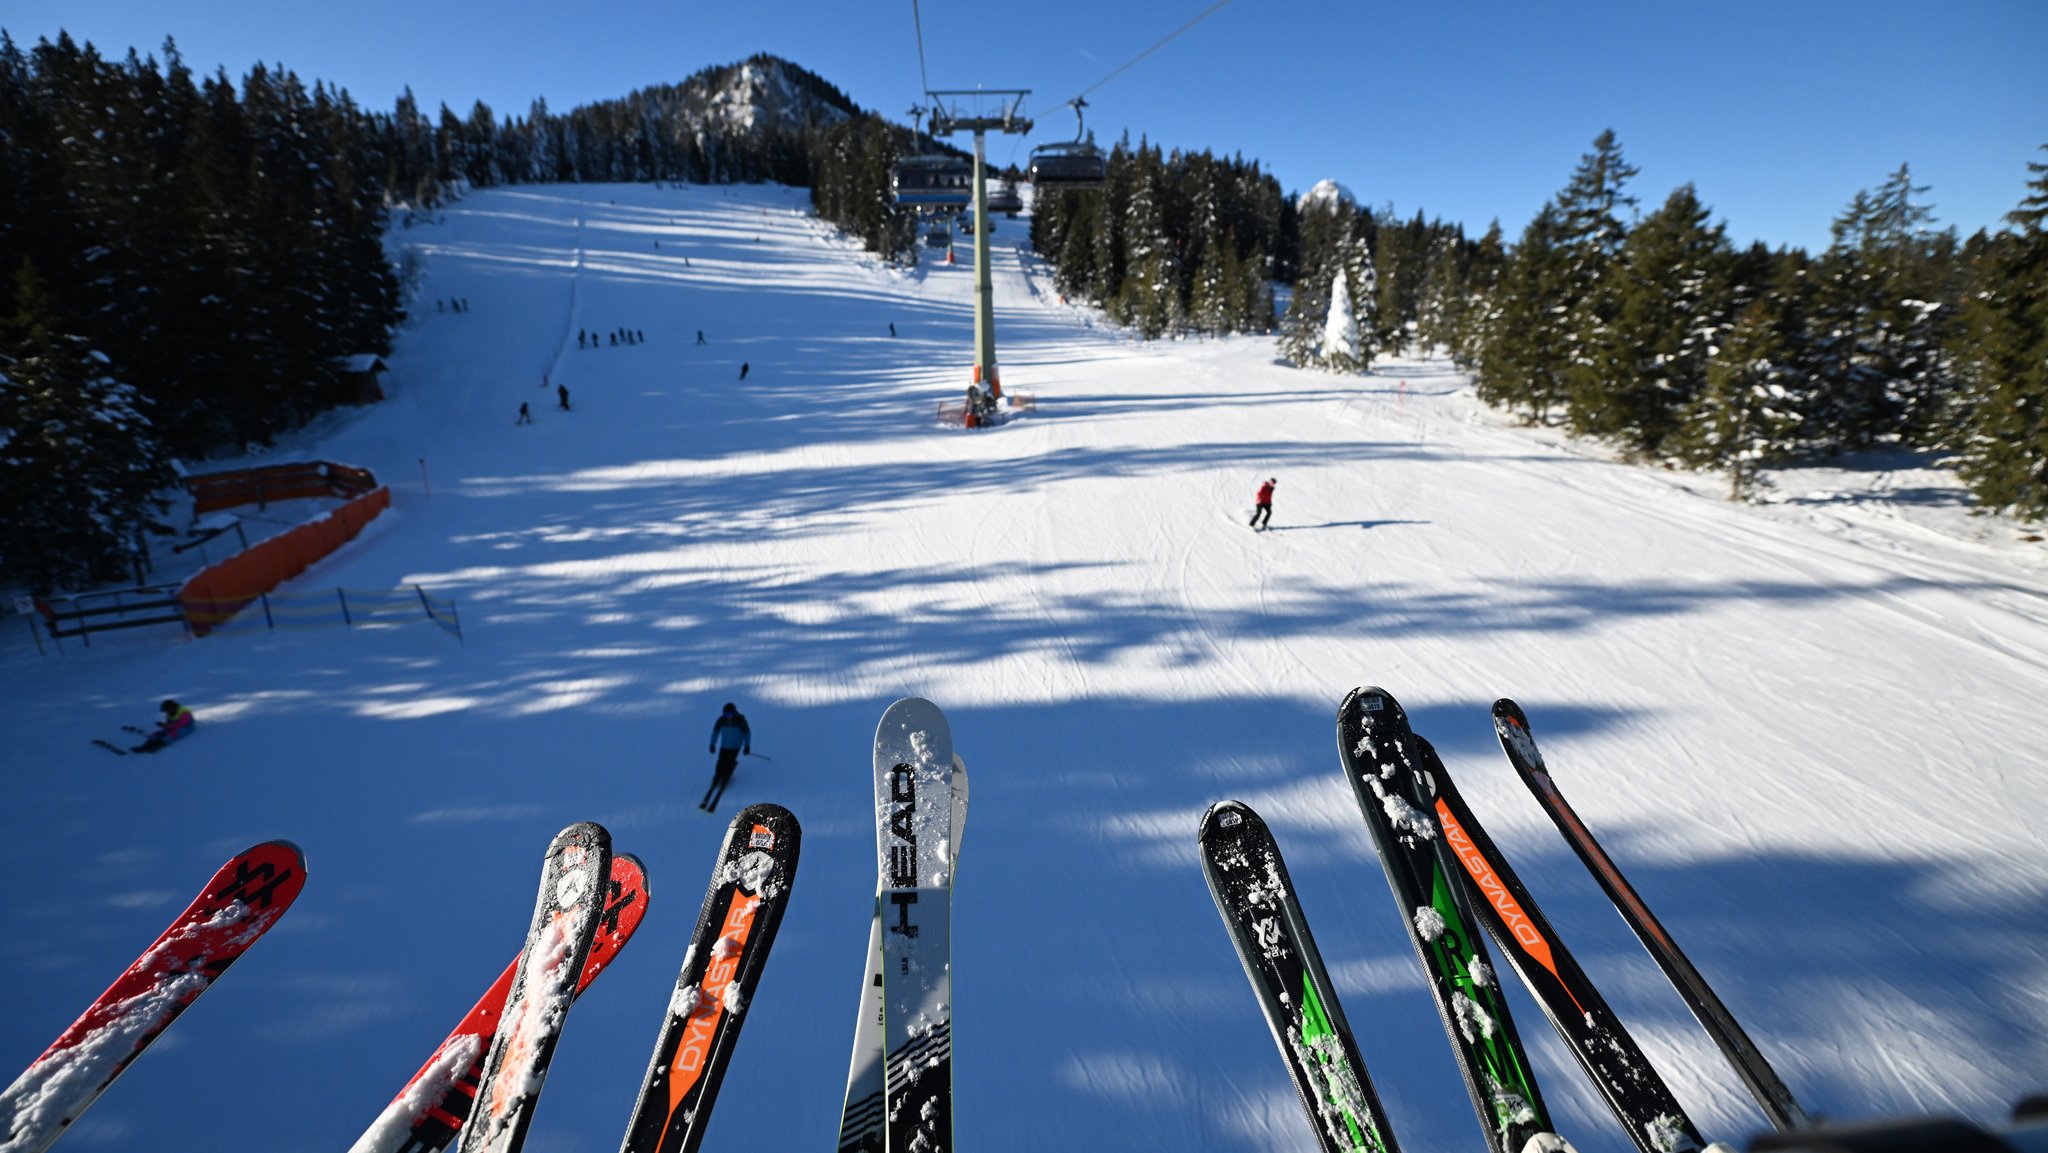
(1746, 412)
(2004, 442)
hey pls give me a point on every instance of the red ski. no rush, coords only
(429, 1112)
(238, 906)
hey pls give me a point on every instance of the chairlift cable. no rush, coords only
(917, 22)
(1126, 65)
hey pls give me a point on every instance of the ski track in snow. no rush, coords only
(1805, 729)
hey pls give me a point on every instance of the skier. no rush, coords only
(175, 726)
(892, 328)
(700, 336)
(730, 739)
(525, 414)
(579, 338)
(744, 366)
(562, 394)
(1262, 506)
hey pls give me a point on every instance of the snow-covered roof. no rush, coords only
(363, 362)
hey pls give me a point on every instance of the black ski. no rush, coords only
(1777, 1102)
(110, 746)
(1248, 879)
(1383, 763)
(735, 929)
(1638, 1097)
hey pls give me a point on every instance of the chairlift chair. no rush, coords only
(932, 182)
(1071, 165)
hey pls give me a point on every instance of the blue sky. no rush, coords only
(1778, 111)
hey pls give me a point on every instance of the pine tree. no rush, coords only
(78, 462)
(1744, 415)
(1669, 296)
(1591, 234)
(1523, 361)
(2004, 449)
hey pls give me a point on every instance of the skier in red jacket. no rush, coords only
(1262, 506)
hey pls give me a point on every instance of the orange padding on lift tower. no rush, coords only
(220, 591)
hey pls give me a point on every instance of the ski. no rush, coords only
(914, 863)
(566, 916)
(721, 969)
(1248, 880)
(1777, 1102)
(428, 1113)
(110, 746)
(1382, 763)
(242, 901)
(1608, 1054)
(860, 1121)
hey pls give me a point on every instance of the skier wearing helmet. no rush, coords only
(177, 723)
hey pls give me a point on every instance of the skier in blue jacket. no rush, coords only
(730, 739)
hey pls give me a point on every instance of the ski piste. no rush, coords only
(1637, 1096)
(1380, 759)
(860, 1120)
(914, 864)
(428, 1113)
(1518, 741)
(749, 890)
(242, 901)
(1248, 879)
(566, 915)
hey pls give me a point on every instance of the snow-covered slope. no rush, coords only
(1805, 729)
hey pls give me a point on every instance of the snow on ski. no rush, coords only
(914, 850)
(566, 916)
(428, 1113)
(1606, 1051)
(860, 1120)
(242, 901)
(721, 969)
(1248, 880)
(1517, 740)
(1379, 755)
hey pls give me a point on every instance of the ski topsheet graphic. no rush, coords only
(428, 1113)
(860, 1120)
(1511, 725)
(914, 849)
(1638, 1097)
(571, 904)
(242, 901)
(1383, 764)
(749, 890)
(1248, 879)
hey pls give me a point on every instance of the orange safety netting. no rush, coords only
(224, 589)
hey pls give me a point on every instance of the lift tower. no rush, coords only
(946, 120)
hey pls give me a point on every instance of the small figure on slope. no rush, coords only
(175, 726)
(730, 739)
(525, 414)
(562, 394)
(1262, 506)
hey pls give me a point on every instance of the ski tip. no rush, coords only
(764, 813)
(588, 833)
(1228, 819)
(630, 871)
(292, 847)
(1506, 710)
(1371, 704)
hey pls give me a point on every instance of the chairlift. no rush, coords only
(1072, 165)
(1004, 198)
(933, 182)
